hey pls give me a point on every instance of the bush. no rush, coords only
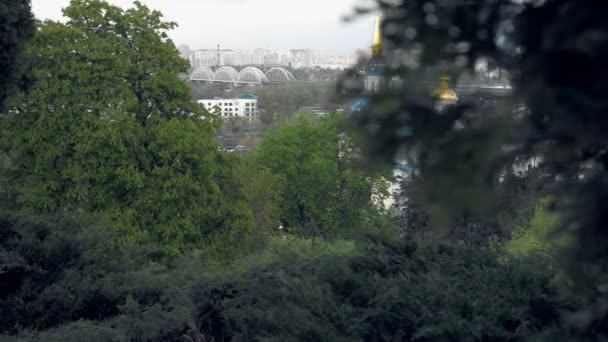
(59, 270)
(393, 291)
(62, 279)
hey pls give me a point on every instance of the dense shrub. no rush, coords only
(63, 280)
(59, 270)
(394, 291)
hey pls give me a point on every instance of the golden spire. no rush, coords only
(377, 49)
(443, 92)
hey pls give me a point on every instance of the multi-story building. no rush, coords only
(209, 57)
(297, 58)
(272, 59)
(244, 58)
(302, 58)
(335, 62)
(184, 51)
(244, 106)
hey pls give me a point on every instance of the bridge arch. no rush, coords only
(279, 74)
(202, 73)
(252, 74)
(226, 73)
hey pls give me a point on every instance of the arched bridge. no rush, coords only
(253, 75)
(249, 75)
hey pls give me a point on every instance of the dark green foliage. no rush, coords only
(16, 28)
(517, 204)
(69, 284)
(55, 270)
(63, 279)
(555, 53)
(392, 292)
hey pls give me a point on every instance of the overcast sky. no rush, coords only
(276, 24)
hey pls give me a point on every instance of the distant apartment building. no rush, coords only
(277, 58)
(204, 58)
(272, 59)
(209, 57)
(244, 106)
(335, 62)
(244, 58)
(297, 58)
(184, 51)
(302, 58)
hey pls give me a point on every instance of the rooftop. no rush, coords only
(247, 96)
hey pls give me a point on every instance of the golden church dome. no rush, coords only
(377, 44)
(444, 93)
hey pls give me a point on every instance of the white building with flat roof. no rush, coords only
(244, 106)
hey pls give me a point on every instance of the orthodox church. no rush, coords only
(375, 79)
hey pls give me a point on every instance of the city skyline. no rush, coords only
(250, 24)
(299, 58)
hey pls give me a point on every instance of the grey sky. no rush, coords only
(277, 24)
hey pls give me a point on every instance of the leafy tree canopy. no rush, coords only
(323, 186)
(16, 28)
(110, 128)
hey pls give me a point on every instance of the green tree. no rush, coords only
(16, 28)
(322, 188)
(262, 188)
(110, 128)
